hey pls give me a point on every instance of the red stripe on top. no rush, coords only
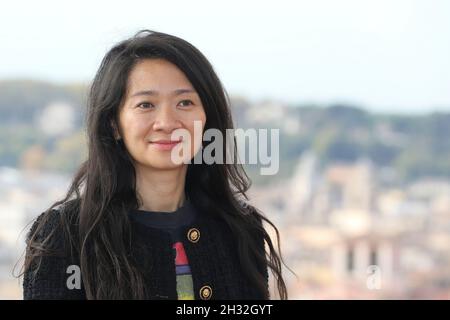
(181, 257)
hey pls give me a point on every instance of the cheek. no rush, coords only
(191, 123)
(201, 116)
(132, 127)
(133, 134)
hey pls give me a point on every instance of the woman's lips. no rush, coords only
(164, 144)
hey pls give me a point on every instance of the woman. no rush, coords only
(135, 224)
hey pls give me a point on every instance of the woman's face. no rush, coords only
(159, 100)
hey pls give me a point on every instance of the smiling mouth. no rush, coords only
(166, 141)
(164, 145)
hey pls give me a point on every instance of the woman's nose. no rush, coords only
(166, 120)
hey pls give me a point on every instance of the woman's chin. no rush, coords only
(164, 165)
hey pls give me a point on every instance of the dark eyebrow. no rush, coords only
(155, 93)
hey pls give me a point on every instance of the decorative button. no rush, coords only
(205, 292)
(193, 235)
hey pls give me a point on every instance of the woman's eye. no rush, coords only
(188, 101)
(144, 105)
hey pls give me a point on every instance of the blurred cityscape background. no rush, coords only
(361, 95)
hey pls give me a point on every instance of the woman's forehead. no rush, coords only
(158, 77)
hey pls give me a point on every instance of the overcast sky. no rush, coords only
(384, 55)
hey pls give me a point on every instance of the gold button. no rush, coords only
(205, 292)
(193, 235)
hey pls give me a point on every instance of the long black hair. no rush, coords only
(104, 187)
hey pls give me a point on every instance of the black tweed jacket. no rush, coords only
(209, 245)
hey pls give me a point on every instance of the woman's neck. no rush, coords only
(160, 190)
